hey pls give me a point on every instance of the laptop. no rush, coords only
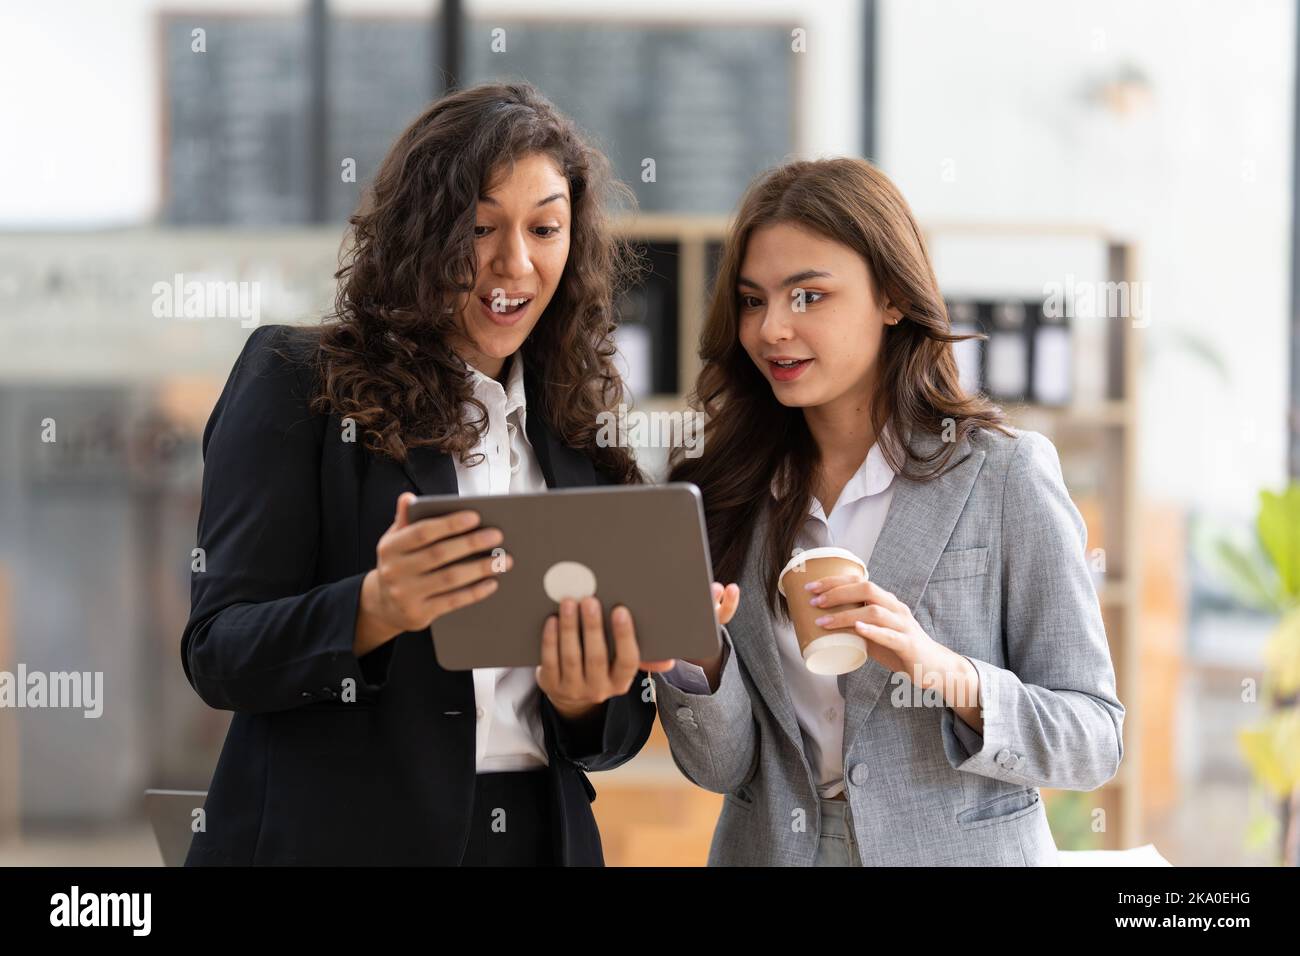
(172, 814)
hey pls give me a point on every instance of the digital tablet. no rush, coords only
(641, 546)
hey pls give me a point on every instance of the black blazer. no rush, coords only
(290, 518)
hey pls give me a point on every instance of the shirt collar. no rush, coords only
(873, 476)
(513, 391)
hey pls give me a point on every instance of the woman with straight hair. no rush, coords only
(836, 419)
(469, 352)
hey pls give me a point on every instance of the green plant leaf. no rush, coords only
(1279, 531)
(1282, 654)
(1261, 830)
(1272, 751)
(1247, 574)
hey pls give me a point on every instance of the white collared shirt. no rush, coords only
(508, 731)
(854, 523)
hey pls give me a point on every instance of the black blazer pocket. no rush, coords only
(354, 706)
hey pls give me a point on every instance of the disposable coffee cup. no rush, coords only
(835, 651)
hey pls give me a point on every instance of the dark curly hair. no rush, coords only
(384, 355)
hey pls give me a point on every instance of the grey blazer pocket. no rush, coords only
(1002, 809)
(740, 798)
(960, 564)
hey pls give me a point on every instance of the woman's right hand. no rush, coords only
(421, 573)
(725, 602)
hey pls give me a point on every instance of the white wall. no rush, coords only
(994, 92)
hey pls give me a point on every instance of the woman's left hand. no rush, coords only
(893, 636)
(576, 672)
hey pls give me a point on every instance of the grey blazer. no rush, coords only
(991, 560)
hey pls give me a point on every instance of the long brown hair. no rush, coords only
(384, 355)
(749, 436)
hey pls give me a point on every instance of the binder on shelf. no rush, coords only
(1089, 334)
(635, 359)
(963, 317)
(651, 305)
(1050, 356)
(1008, 352)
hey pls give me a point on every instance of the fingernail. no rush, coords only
(812, 585)
(816, 601)
(823, 621)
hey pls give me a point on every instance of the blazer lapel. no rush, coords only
(917, 527)
(431, 471)
(757, 643)
(564, 467)
(434, 472)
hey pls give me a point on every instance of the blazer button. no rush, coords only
(858, 775)
(685, 713)
(1004, 757)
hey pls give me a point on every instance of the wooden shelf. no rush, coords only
(660, 227)
(1113, 414)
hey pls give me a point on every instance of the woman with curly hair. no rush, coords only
(469, 352)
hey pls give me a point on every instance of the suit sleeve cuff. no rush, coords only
(994, 753)
(712, 707)
(579, 741)
(370, 671)
(691, 679)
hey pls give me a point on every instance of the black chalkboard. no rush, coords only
(711, 104)
(237, 136)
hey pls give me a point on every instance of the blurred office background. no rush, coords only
(1135, 162)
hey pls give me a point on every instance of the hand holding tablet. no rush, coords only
(421, 574)
(577, 673)
(641, 547)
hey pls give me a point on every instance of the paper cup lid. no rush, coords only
(810, 554)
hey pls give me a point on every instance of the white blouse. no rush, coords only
(854, 523)
(508, 720)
